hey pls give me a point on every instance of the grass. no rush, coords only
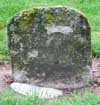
(89, 98)
(8, 8)
(4, 53)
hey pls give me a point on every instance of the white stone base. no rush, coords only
(41, 92)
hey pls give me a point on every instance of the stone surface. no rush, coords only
(50, 47)
(41, 92)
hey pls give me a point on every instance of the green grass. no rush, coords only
(8, 8)
(4, 53)
(89, 98)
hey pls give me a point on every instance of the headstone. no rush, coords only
(50, 47)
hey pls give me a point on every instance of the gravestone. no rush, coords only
(50, 47)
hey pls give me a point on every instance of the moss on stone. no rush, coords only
(49, 17)
(24, 22)
(28, 11)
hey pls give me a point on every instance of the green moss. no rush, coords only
(28, 11)
(49, 17)
(24, 22)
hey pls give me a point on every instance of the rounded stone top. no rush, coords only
(25, 20)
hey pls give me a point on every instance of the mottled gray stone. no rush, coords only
(51, 46)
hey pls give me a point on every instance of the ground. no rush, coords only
(95, 71)
(6, 72)
(5, 75)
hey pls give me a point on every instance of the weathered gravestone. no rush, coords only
(50, 47)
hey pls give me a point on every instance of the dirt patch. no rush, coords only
(96, 74)
(6, 75)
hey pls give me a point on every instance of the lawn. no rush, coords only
(89, 98)
(8, 8)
